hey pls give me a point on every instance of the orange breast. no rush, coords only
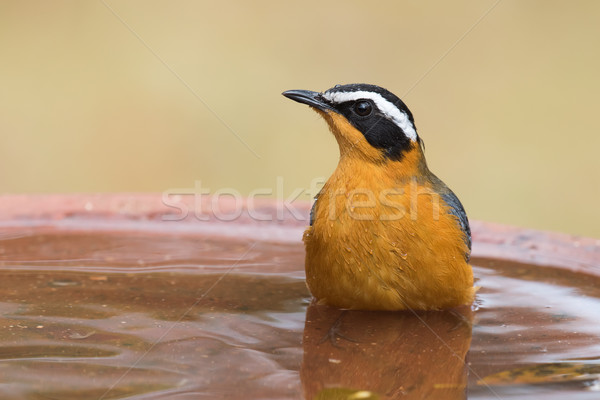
(382, 238)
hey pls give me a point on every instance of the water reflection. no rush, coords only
(386, 355)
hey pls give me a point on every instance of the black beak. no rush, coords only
(313, 99)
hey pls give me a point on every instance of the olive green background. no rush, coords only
(147, 96)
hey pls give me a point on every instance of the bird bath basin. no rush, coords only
(113, 296)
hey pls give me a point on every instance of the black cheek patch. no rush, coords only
(381, 133)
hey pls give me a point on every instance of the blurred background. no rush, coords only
(147, 96)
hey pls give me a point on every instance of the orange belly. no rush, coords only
(385, 244)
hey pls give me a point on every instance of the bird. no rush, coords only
(385, 232)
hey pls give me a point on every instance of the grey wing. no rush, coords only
(312, 209)
(457, 209)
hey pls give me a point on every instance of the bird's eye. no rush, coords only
(363, 108)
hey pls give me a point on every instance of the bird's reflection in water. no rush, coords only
(385, 355)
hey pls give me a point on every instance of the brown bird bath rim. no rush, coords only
(148, 212)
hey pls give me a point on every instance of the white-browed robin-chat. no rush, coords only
(385, 232)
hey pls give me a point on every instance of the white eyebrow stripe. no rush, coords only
(388, 109)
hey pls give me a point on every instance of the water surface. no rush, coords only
(106, 315)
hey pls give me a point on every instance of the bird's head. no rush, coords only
(368, 121)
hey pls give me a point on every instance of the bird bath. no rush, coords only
(110, 296)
